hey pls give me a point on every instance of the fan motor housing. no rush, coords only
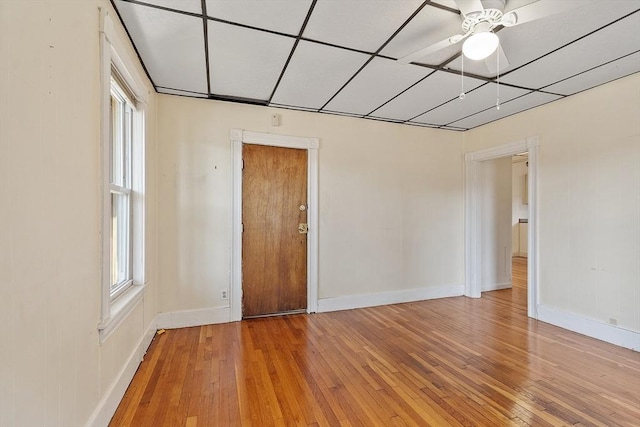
(490, 16)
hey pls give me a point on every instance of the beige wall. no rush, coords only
(495, 209)
(391, 207)
(589, 193)
(53, 371)
(383, 188)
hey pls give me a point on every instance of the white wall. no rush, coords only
(495, 209)
(518, 209)
(589, 199)
(391, 200)
(53, 371)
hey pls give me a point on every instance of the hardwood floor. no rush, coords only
(454, 361)
(519, 273)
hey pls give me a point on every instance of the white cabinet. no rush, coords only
(523, 232)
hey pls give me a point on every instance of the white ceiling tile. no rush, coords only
(315, 73)
(610, 43)
(480, 99)
(429, 93)
(171, 45)
(515, 4)
(378, 82)
(192, 6)
(245, 63)
(510, 5)
(514, 106)
(429, 26)
(449, 3)
(526, 42)
(358, 24)
(284, 16)
(597, 76)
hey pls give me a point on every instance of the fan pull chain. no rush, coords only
(462, 94)
(498, 85)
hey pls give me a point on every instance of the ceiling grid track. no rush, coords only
(352, 56)
(205, 29)
(377, 52)
(134, 45)
(585, 71)
(293, 49)
(569, 44)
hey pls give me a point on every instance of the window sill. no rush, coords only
(120, 309)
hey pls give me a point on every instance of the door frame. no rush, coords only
(473, 223)
(239, 137)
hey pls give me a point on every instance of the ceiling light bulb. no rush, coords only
(480, 45)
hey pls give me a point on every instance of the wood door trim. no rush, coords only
(239, 137)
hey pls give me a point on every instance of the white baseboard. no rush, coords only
(112, 397)
(496, 286)
(188, 318)
(393, 297)
(590, 327)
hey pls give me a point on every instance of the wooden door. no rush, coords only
(274, 252)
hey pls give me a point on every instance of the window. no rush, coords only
(122, 140)
(120, 190)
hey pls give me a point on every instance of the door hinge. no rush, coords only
(241, 227)
(242, 164)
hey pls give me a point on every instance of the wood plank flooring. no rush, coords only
(519, 273)
(453, 361)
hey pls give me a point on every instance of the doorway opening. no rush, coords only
(473, 218)
(519, 224)
(239, 138)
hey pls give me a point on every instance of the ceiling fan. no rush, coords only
(480, 18)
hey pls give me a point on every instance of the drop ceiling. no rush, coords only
(340, 56)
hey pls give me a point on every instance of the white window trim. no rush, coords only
(112, 50)
(125, 187)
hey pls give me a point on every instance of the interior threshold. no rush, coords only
(281, 313)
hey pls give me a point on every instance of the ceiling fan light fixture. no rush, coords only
(480, 45)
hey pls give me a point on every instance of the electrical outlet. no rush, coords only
(223, 294)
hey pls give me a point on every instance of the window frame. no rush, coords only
(116, 65)
(126, 112)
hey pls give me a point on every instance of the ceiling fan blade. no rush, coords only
(492, 63)
(540, 9)
(415, 56)
(468, 6)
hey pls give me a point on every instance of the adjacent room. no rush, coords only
(319, 212)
